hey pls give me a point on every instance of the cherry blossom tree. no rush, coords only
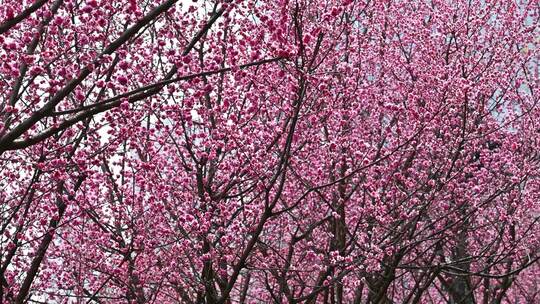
(288, 151)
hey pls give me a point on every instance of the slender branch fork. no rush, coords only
(131, 96)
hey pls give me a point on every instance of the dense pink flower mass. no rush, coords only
(284, 151)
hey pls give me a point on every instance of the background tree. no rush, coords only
(269, 151)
